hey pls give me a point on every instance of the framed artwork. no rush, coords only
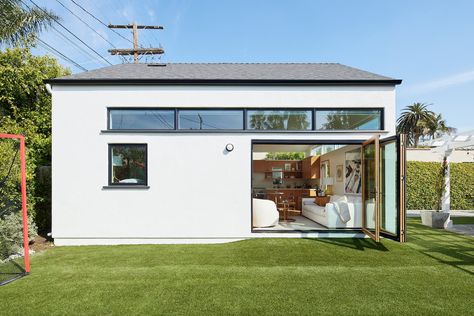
(324, 169)
(339, 173)
(353, 172)
(288, 167)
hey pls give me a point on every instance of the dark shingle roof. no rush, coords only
(227, 73)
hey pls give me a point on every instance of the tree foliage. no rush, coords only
(418, 122)
(344, 120)
(25, 108)
(278, 120)
(285, 156)
(21, 24)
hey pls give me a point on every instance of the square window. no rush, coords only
(128, 164)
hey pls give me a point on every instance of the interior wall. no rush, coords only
(337, 157)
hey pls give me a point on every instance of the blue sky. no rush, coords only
(428, 44)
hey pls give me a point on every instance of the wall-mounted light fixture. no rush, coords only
(229, 147)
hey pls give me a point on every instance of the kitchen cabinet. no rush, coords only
(259, 165)
(311, 167)
(266, 166)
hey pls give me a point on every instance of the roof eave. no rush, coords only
(296, 82)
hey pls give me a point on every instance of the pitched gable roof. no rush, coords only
(227, 73)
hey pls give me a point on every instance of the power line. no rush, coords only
(51, 48)
(75, 36)
(100, 21)
(76, 45)
(136, 51)
(86, 24)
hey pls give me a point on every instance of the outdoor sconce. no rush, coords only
(229, 147)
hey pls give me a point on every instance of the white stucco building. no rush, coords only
(163, 153)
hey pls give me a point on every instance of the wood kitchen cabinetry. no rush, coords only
(311, 167)
(307, 168)
(266, 166)
(260, 165)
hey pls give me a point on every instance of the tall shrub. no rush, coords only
(462, 186)
(423, 185)
(25, 108)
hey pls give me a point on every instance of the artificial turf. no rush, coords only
(463, 220)
(432, 274)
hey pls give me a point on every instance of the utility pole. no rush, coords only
(136, 51)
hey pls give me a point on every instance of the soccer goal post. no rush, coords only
(14, 240)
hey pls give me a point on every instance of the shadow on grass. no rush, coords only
(10, 271)
(352, 243)
(445, 247)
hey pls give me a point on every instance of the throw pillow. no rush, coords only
(337, 198)
(344, 213)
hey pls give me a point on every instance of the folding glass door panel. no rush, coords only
(388, 187)
(370, 188)
(383, 188)
(392, 187)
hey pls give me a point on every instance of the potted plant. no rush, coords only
(436, 218)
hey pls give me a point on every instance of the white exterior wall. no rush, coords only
(198, 192)
(418, 154)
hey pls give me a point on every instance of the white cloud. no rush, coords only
(441, 83)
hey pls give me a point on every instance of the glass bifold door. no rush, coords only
(383, 187)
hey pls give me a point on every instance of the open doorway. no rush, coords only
(301, 186)
(303, 182)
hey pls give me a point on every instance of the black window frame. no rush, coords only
(312, 121)
(178, 110)
(381, 125)
(114, 184)
(244, 129)
(110, 109)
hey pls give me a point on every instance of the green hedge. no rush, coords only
(462, 186)
(424, 180)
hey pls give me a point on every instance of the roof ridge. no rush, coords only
(290, 73)
(245, 63)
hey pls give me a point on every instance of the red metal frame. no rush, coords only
(21, 138)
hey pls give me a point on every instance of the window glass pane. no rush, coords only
(370, 185)
(211, 119)
(349, 120)
(128, 164)
(389, 184)
(279, 120)
(141, 119)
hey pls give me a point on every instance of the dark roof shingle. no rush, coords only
(189, 73)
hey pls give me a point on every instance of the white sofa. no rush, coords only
(330, 215)
(265, 213)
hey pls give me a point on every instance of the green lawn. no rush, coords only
(463, 220)
(431, 274)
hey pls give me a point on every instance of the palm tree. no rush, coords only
(413, 120)
(21, 24)
(437, 126)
